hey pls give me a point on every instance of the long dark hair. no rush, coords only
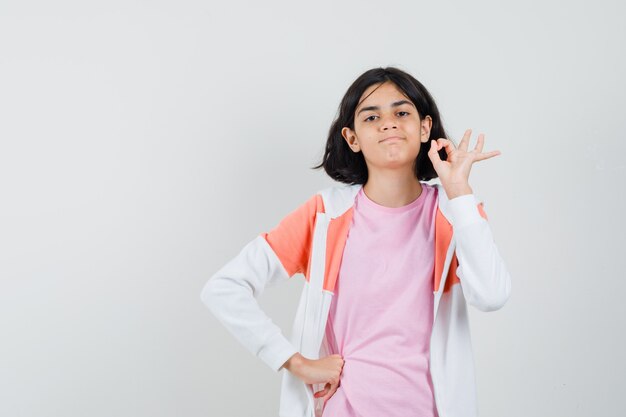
(344, 165)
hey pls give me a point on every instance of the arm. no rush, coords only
(485, 281)
(231, 293)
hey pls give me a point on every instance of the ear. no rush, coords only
(350, 136)
(427, 124)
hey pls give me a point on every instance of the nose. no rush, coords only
(388, 123)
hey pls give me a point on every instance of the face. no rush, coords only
(387, 128)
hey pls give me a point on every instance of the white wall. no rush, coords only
(144, 143)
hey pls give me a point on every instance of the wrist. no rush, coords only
(294, 362)
(453, 191)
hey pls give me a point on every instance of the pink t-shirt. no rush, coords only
(381, 315)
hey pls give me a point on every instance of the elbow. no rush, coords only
(220, 291)
(491, 299)
(496, 299)
(491, 304)
(208, 292)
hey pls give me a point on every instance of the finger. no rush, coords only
(483, 156)
(447, 144)
(433, 154)
(434, 149)
(465, 141)
(322, 392)
(331, 392)
(479, 143)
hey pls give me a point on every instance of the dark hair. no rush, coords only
(344, 165)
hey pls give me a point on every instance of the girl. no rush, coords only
(389, 262)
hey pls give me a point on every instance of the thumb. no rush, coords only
(433, 154)
(331, 392)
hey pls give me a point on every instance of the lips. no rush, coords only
(392, 138)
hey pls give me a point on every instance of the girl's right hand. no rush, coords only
(318, 371)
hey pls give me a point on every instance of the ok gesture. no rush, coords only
(454, 171)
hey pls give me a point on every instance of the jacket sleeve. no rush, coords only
(231, 293)
(484, 278)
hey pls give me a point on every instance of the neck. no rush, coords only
(392, 188)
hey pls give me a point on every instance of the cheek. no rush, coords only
(366, 134)
(412, 126)
(361, 128)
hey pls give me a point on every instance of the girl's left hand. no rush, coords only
(454, 171)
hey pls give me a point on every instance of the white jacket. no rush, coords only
(310, 241)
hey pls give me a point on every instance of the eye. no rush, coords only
(405, 112)
(369, 118)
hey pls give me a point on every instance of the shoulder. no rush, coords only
(338, 198)
(306, 211)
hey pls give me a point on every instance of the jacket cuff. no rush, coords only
(464, 211)
(276, 351)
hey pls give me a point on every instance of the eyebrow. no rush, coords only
(394, 104)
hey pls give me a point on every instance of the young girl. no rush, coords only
(389, 263)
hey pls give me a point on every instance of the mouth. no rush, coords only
(392, 139)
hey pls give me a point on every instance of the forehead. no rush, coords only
(381, 94)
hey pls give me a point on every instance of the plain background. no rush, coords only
(144, 143)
